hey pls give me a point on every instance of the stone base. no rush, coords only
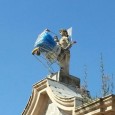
(67, 79)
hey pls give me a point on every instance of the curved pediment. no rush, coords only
(59, 94)
(53, 97)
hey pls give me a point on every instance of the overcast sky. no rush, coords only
(21, 21)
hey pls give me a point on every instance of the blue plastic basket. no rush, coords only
(45, 41)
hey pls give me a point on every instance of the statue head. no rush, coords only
(63, 32)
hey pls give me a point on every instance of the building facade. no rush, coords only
(59, 94)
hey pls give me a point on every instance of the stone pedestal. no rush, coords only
(67, 79)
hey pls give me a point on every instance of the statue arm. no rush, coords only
(70, 45)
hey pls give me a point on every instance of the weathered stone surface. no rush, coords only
(58, 94)
(67, 79)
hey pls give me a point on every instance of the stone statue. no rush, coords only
(64, 56)
(60, 51)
